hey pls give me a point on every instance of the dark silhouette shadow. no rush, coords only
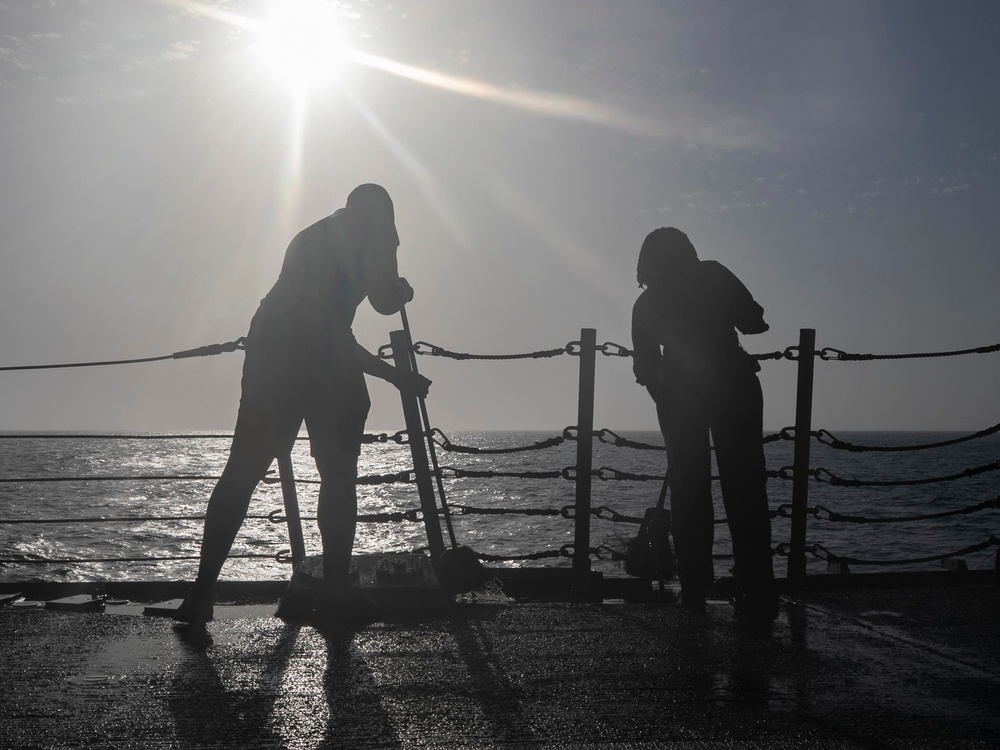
(688, 356)
(303, 364)
(490, 686)
(208, 710)
(355, 698)
(230, 690)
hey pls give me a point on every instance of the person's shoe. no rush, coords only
(756, 609)
(348, 610)
(197, 608)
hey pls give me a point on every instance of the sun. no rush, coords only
(301, 42)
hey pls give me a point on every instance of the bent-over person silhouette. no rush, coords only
(304, 364)
(688, 356)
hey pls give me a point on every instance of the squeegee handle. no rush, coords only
(427, 429)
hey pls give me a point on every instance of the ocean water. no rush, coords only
(57, 503)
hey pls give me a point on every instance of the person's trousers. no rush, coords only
(733, 417)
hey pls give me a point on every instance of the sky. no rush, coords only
(842, 159)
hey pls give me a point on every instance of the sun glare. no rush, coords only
(302, 41)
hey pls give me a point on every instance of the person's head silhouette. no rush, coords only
(664, 252)
(373, 202)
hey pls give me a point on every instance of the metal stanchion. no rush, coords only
(581, 580)
(800, 464)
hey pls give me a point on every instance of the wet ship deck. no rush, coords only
(904, 667)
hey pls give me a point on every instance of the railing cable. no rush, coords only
(67, 560)
(827, 438)
(110, 478)
(367, 438)
(442, 440)
(830, 353)
(824, 514)
(116, 519)
(202, 351)
(422, 347)
(820, 552)
(824, 475)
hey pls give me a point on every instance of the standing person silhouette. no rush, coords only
(688, 356)
(304, 364)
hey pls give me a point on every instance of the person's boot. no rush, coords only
(198, 606)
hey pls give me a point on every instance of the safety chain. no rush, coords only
(516, 558)
(451, 472)
(400, 437)
(366, 438)
(618, 556)
(109, 478)
(828, 439)
(602, 552)
(441, 439)
(836, 354)
(569, 512)
(611, 349)
(422, 347)
(606, 473)
(369, 479)
(469, 510)
(569, 472)
(118, 436)
(202, 351)
(67, 560)
(567, 550)
(820, 552)
(823, 475)
(607, 436)
(111, 519)
(825, 514)
(573, 348)
(413, 514)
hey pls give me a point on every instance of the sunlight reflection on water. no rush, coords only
(494, 534)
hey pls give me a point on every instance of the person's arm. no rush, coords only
(408, 382)
(748, 315)
(387, 291)
(751, 320)
(646, 353)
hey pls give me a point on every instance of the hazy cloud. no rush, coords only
(181, 51)
(951, 189)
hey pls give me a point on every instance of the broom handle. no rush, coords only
(430, 441)
(659, 506)
(663, 490)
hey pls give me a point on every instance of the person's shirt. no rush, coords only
(328, 270)
(684, 328)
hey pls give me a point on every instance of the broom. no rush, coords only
(649, 554)
(458, 569)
